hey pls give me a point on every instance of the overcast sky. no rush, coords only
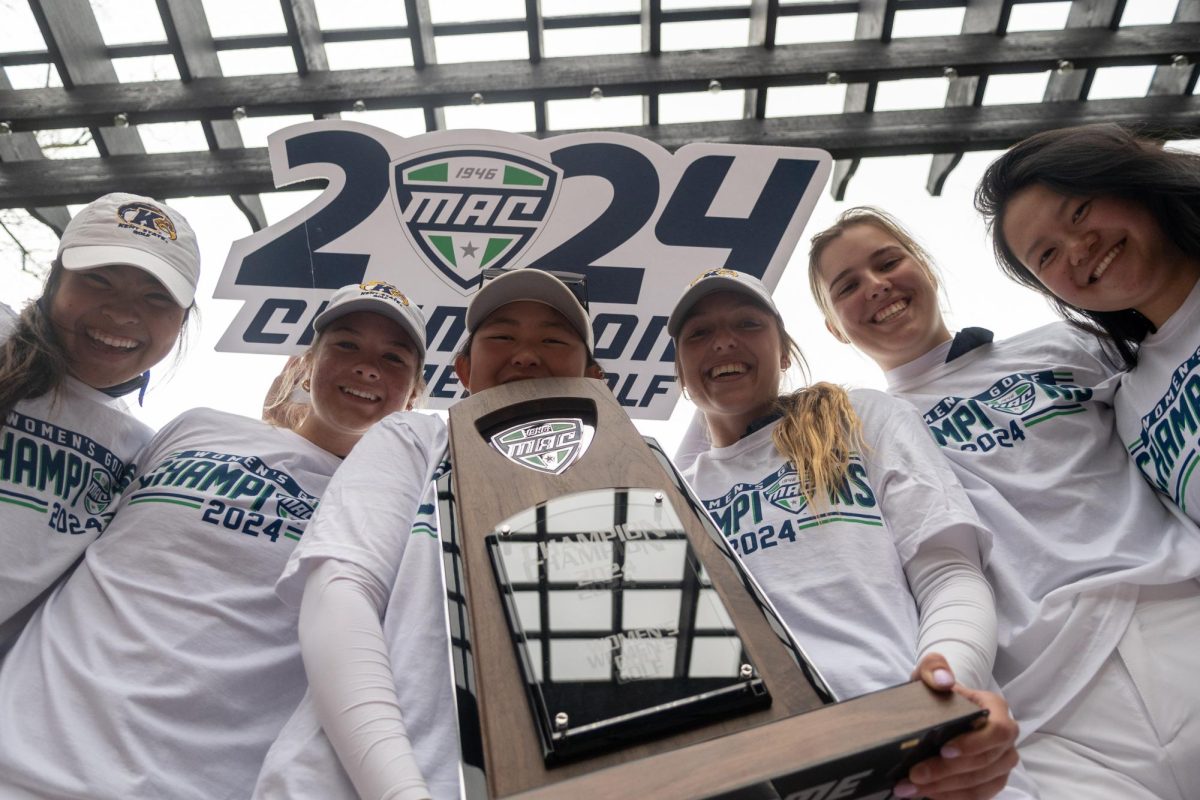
(947, 225)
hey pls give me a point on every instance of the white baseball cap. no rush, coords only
(121, 228)
(717, 280)
(532, 284)
(378, 297)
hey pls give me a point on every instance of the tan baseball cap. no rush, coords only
(530, 284)
(717, 280)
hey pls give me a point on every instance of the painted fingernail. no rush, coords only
(904, 789)
(943, 678)
(950, 751)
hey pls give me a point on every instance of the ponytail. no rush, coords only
(818, 432)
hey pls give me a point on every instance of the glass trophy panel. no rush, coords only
(616, 626)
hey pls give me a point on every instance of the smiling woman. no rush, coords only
(178, 593)
(1109, 224)
(380, 717)
(113, 306)
(1103, 222)
(838, 503)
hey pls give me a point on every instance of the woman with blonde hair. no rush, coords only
(1094, 578)
(379, 719)
(837, 503)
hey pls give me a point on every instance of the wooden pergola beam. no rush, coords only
(764, 22)
(650, 24)
(859, 135)
(424, 54)
(980, 16)
(77, 46)
(1073, 83)
(1178, 78)
(25, 147)
(196, 57)
(536, 38)
(622, 74)
(875, 20)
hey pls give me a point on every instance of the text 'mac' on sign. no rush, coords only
(430, 212)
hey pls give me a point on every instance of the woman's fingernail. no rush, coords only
(904, 789)
(950, 751)
(943, 677)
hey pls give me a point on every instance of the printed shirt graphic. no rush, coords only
(173, 619)
(1158, 407)
(836, 573)
(1029, 427)
(396, 545)
(63, 460)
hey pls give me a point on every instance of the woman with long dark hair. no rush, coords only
(165, 665)
(115, 303)
(1108, 225)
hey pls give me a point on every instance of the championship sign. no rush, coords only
(429, 213)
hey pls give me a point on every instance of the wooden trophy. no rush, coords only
(618, 648)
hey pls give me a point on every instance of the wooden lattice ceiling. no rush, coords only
(92, 96)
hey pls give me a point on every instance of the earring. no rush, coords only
(306, 385)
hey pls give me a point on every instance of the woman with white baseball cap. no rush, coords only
(853, 523)
(166, 665)
(379, 719)
(114, 304)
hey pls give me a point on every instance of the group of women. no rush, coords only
(266, 603)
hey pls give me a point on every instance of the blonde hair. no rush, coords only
(862, 215)
(280, 408)
(818, 430)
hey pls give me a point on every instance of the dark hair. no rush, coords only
(32, 361)
(1102, 159)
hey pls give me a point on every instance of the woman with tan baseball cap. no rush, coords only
(380, 716)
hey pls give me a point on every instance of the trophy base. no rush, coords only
(855, 750)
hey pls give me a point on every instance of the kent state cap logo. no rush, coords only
(146, 220)
(466, 210)
(384, 291)
(716, 273)
(548, 446)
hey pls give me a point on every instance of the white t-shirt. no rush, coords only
(165, 666)
(840, 585)
(63, 459)
(403, 555)
(1158, 407)
(1028, 425)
